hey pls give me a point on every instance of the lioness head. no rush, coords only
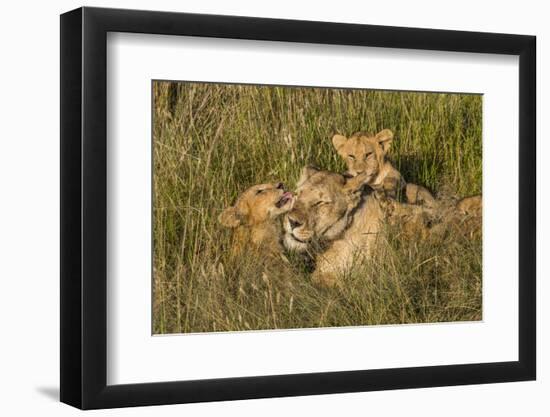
(257, 205)
(364, 153)
(324, 201)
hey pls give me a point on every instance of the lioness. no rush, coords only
(364, 153)
(334, 213)
(255, 218)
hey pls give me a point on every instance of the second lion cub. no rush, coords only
(255, 218)
(364, 153)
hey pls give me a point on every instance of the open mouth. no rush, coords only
(284, 200)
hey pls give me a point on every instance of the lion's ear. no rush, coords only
(307, 172)
(338, 141)
(230, 218)
(385, 138)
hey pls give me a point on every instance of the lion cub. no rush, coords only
(364, 153)
(471, 206)
(255, 218)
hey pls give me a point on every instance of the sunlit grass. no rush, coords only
(213, 141)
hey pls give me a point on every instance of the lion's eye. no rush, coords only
(259, 192)
(321, 203)
(351, 157)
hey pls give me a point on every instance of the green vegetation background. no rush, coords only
(212, 141)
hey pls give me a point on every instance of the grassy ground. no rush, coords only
(213, 141)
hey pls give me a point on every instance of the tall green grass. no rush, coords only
(212, 141)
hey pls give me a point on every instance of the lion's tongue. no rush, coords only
(285, 198)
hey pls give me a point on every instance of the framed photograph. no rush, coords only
(257, 208)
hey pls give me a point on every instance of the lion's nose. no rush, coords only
(294, 223)
(280, 186)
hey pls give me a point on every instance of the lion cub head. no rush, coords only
(364, 153)
(472, 206)
(255, 215)
(324, 202)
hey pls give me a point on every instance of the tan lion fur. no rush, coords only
(335, 214)
(255, 218)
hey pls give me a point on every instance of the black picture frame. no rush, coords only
(84, 207)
